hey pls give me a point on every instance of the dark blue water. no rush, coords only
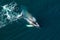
(47, 13)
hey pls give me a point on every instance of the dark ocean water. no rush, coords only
(47, 13)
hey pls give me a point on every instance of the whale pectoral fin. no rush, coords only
(29, 25)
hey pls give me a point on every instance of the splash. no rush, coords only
(8, 15)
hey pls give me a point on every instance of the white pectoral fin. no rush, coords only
(29, 25)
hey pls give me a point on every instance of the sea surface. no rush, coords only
(47, 13)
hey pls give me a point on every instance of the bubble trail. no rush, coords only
(7, 14)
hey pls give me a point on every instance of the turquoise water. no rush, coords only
(47, 13)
